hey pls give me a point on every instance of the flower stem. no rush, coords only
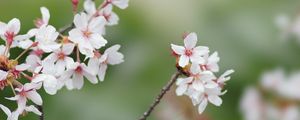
(163, 91)
(12, 88)
(77, 54)
(25, 51)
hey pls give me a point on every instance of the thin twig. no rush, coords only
(66, 28)
(160, 95)
(40, 108)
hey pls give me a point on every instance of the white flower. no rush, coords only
(27, 91)
(88, 34)
(211, 95)
(45, 18)
(9, 32)
(289, 87)
(190, 52)
(272, 80)
(252, 104)
(211, 62)
(15, 115)
(111, 17)
(49, 82)
(61, 58)
(122, 4)
(10, 115)
(75, 73)
(34, 62)
(198, 80)
(47, 76)
(225, 77)
(90, 8)
(46, 37)
(183, 84)
(111, 56)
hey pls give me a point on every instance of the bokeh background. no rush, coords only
(242, 31)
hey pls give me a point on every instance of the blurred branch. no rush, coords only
(160, 96)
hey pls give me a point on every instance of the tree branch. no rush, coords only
(157, 100)
(40, 108)
(66, 28)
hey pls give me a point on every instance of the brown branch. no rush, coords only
(157, 100)
(66, 28)
(40, 108)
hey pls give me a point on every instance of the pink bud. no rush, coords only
(75, 2)
(75, 5)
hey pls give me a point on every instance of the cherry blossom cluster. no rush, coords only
(54, 60)
(201, 85)
(288, 27)
(283, 98)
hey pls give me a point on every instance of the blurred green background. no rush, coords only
(242, 31)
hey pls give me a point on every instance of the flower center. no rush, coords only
(16, 73)
(188, 52)
(78, 70)
(22, 93)
(87, 34)
(38, 52)
(61, 56)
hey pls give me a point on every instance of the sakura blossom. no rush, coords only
(45, 18)
(77, 71)
(200, 84)
(111, 56)
(280, 105)
(288, 26)
(87, 35)
(190, 53)
(53, 58)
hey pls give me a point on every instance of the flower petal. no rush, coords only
(178, 49)
(33, 109)
(102, 71)
(97, 41)
(190, 41)
(80, 21)
(214, 99)
(183, 60)
(13, 26)
(68, 48)
(34, 97)
(202, 106)
(77, 81)
(5, 110)
(45, 15)
(181, 89)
